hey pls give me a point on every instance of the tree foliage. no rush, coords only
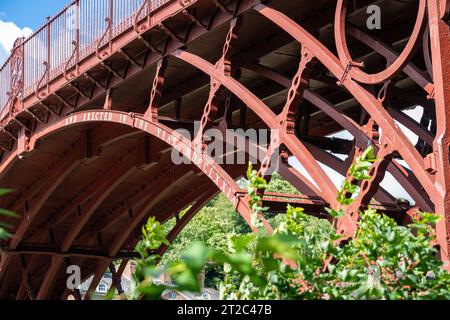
(280, 185)
(213, 225)
(305, 258)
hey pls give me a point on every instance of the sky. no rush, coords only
(20, 17)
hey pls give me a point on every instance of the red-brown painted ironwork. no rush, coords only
(369, 102)
(397, 66)
(88, 121)
(16, 76)
(158, 85)
(328, 190)
(440, 38)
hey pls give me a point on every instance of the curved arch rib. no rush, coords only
(220, 178)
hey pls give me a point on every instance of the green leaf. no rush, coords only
(281, 244)
(4, 234)
(5, 225)
(151, 292)
(335, 213)
(7, 213)
(195, 256)
(187, 281)
(270, 263)
(111, 293)
(241, 242)
(241, 262)
(369, 153)
(4, 192)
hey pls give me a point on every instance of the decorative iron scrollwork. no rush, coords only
(16, 73)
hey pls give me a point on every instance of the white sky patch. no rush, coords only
(9, 32)
(416, 114)
(3, 55)
(335, 177)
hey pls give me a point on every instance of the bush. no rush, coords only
(305, 258)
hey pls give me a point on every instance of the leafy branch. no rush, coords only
(4, 234)
(382, 261)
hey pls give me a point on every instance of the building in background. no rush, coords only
(106, 282)
(205, 294)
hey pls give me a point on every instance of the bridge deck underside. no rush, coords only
(112, 177)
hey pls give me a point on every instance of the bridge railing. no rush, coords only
(5, 84)
(66, 39)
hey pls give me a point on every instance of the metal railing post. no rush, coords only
(111, 17)
(77, 32)
(22, 71)
(149, 17)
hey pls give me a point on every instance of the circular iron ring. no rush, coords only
(397, 66)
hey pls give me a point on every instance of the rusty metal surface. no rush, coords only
(88, 121)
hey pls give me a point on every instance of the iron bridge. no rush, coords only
(92, 102)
